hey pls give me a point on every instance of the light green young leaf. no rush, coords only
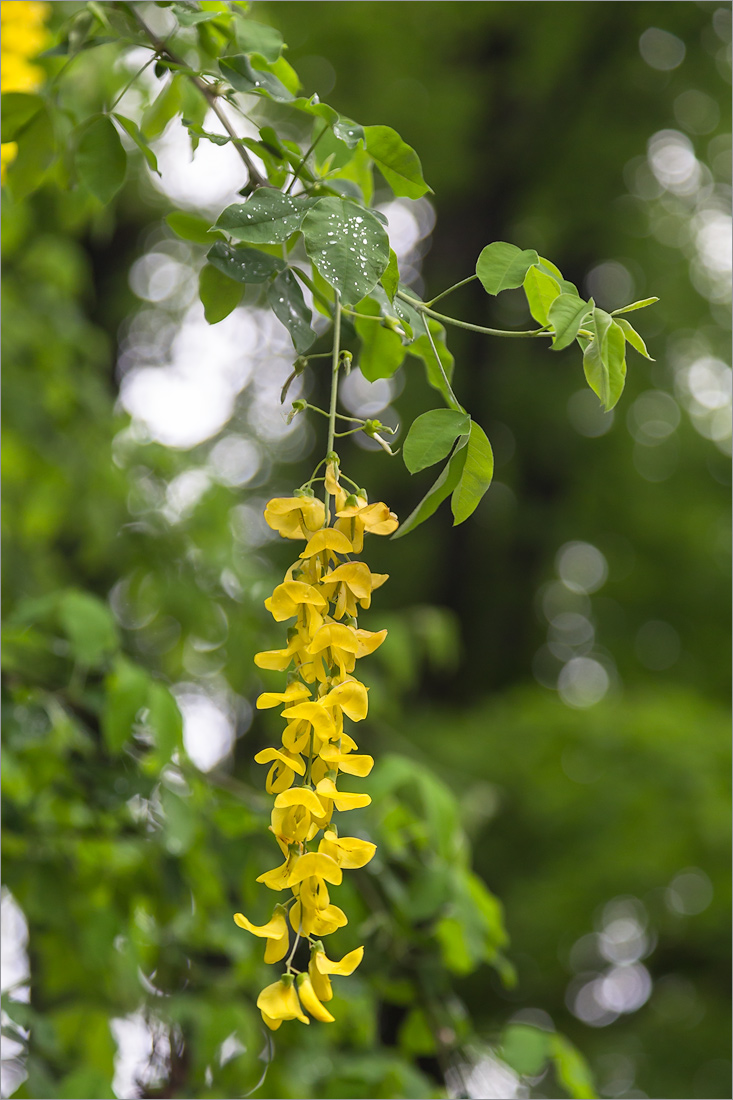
(633, 338)
(348, 245)
(397, 161)
(268, 217)
(566, 315)
(132, 130)
(571, 1068)
(218, 293)
(240, 73)
(253, 37)
(635, 305)
(287, 303)
(423, 349)
(90, 627)
(431, 437)
(18, 108)
(604, 362)
(126, 694)
(441, 488)
(503, 266)
(541, 290)
(525, 1048)
(244, 265)
(189, 227)
(478, 470)
(391, 277)
(382, 351)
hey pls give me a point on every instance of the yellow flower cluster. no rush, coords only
(322, 592)
(23, 36)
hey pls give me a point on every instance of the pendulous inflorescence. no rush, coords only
(323, 592)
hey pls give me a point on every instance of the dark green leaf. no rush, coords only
(219, 294)
(503, 266)
(423, 349)
(268, 217)
(244, 265)
(348, 245)
(441, 488)
(253, 37)
(391, 276)
(478, 470)
(635, 305)
(132, 130)
(126, 695)
(288, 305)
(382, 351)
(432, 436)
(633, 338)
(243, 77)
(90, 627)
(18, 109)
(36, 153)
(541, 290)
(189, 227)
(566, 315)
(101, 160)
(397, 161)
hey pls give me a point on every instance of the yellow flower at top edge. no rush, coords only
(22, 37)
(323, 591)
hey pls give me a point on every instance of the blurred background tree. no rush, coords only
(556, 670)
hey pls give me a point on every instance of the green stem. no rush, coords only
(334, 387)
(422, 308)
(132, 80)
(307, 153)
(451, 289)
(456, 403)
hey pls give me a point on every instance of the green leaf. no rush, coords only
(219, 294)
(244, 265)
(288, 305)
(351, 133)
(188, 18)
(478, 470)
(525, 1048)
(566, 315)
(397, 161)
(90, 627)
(633, 338)
(268, 217)
(36, 154)
(253, 37)
(382, 351)
(166, 104)
(432, 436)
(423, 349)
(101, 160)
(240, 73)
(571, 1069)
(18, 108)
(132, 130)
(635, 305)
(189, 227)
(603, 360)
(164, 718)
(348, 245)
(503, 266)
(441, 488)
(126, 694)
(541, 290)
(391, 278)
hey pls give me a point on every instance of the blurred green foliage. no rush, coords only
(532, 123)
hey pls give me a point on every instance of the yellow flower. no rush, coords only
(288, 599)
(355, 518)
(321, 967)
(275, 932)
(348, 851)
(295, 517)
(350, 696)
(317, 922)
(352, 582)
(328, 541)
(279, 1001)
(343, 800)
(310, 1001)
(317, 864)
(281, 774)
(271, 698)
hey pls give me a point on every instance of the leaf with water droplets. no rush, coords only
(287, 303)
(351, 133)
(268, 217)
(244, 77)
(244, 265)
(347, 245)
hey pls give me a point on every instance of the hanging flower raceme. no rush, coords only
(320, 596)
